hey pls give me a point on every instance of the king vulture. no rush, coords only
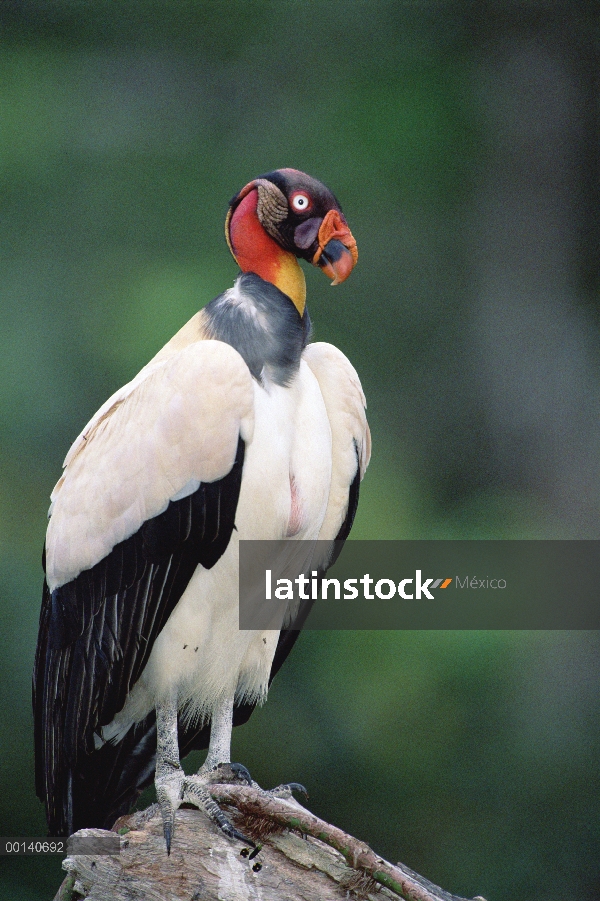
(238, 428)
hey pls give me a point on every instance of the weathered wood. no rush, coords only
(302, 858)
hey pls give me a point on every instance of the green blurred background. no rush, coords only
(462, 142)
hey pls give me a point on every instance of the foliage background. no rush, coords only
(462, 141)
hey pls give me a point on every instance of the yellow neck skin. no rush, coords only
(290, 279)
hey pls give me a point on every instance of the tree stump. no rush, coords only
(301, 858)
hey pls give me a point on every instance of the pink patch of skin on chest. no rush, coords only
(295, 521)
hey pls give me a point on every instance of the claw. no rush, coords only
(241, 772)
(286, 791)
(230, 773)
(297, 787)
(232, 832)
(169, 783)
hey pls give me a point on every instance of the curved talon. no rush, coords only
(297, 787)
(218, 817)
(232, 832)
(228, 773)
(241, 772)
(169, 790)
(286, 791)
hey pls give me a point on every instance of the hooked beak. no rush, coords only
(337, 253)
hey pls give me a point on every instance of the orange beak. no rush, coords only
(337, 254)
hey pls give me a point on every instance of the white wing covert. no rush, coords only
(177, 428)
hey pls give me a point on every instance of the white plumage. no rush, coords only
(178, 427)
(179, 423)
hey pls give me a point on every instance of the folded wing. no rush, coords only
(149, 491)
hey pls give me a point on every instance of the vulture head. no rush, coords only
(285, 215)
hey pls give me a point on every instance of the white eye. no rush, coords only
(300, 202)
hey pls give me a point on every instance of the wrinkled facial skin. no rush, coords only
(299, 232)
(304, 218)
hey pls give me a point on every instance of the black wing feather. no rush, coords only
(96, 634)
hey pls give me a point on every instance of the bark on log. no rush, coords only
(301, 858)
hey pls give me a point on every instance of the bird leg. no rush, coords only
(221, 726)
(173, 787)
(217, 768)
(169, 776)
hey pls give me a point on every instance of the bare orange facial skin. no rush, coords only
(334, 228)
